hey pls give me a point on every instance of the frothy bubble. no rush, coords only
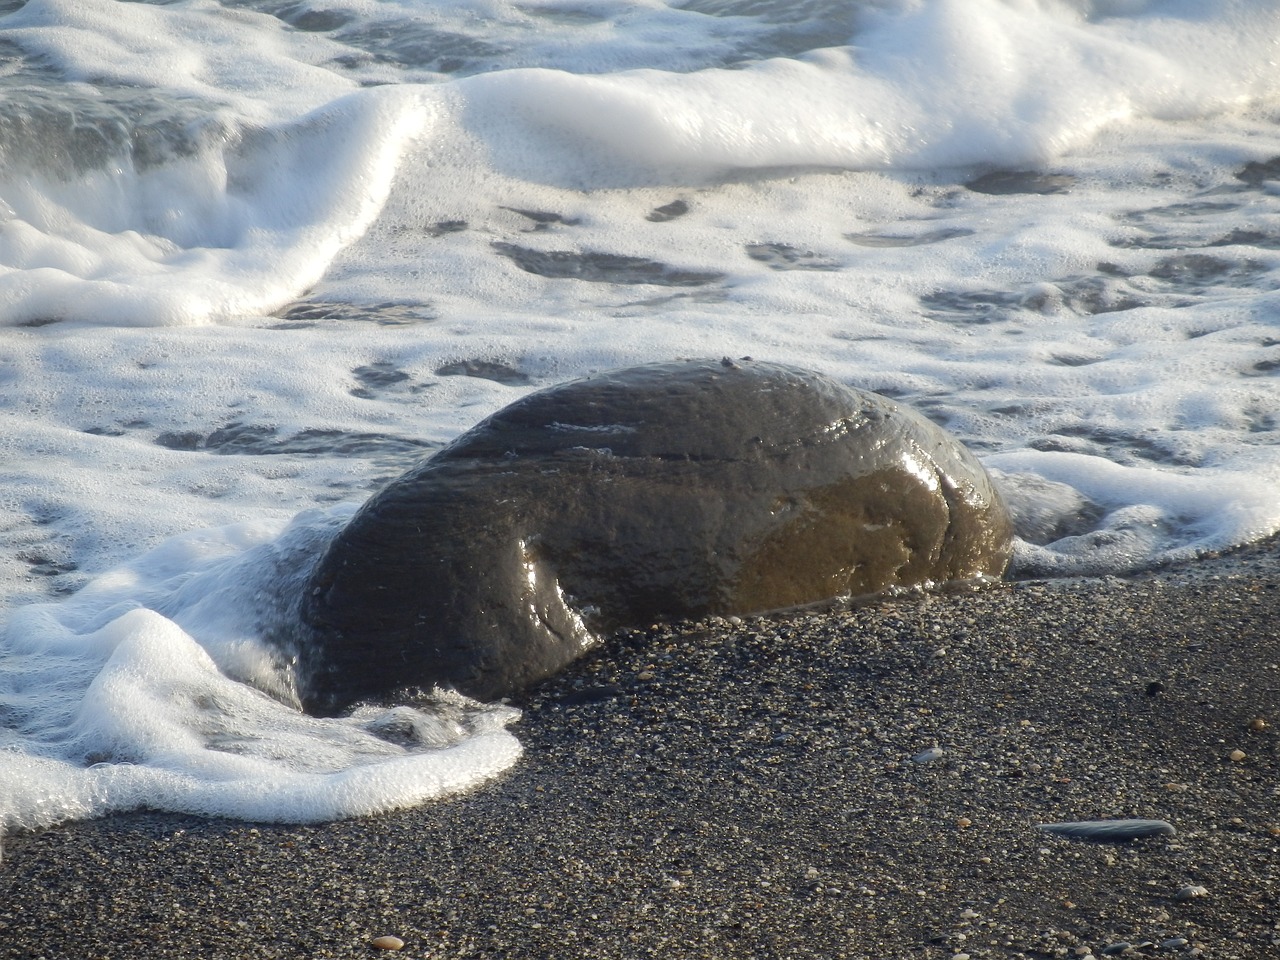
(109, 705)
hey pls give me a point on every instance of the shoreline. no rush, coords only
(749, 789)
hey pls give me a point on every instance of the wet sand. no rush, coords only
(749, 790)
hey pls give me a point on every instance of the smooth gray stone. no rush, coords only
(662, 492)
(1110, 831)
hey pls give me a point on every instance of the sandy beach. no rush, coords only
(769, 788)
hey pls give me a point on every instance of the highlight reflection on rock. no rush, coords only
(660, 492)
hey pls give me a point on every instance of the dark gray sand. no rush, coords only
(749, 790)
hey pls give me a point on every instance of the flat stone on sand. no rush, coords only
(1110, 831)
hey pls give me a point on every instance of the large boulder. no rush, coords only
(661, 492)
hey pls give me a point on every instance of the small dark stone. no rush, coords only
(1110, 831)
(1154, 688)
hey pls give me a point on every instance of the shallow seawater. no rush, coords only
(258, 257)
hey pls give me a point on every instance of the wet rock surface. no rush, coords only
(658, 493)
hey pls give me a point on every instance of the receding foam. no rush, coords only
(135, 713)
(244, 267)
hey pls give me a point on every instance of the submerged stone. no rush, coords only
(662, 492)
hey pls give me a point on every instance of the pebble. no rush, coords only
(1190, 892)
(1174, 943)
(1112, 831)
(387, 943)
(925, 756)
(1257, 724)
(1111, 949)
(1237, 755)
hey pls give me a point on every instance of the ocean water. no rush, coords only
(258, 256)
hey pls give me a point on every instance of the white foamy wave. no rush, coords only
(253, 218)
(108, 705)
(237, 228)
(944, 84)
(248, 62)
(1079, 516)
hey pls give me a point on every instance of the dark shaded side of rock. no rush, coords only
(661, 492)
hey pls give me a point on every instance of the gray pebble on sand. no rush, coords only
(1110, 831)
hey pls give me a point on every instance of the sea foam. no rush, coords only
(109, 705)
(257, 259)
